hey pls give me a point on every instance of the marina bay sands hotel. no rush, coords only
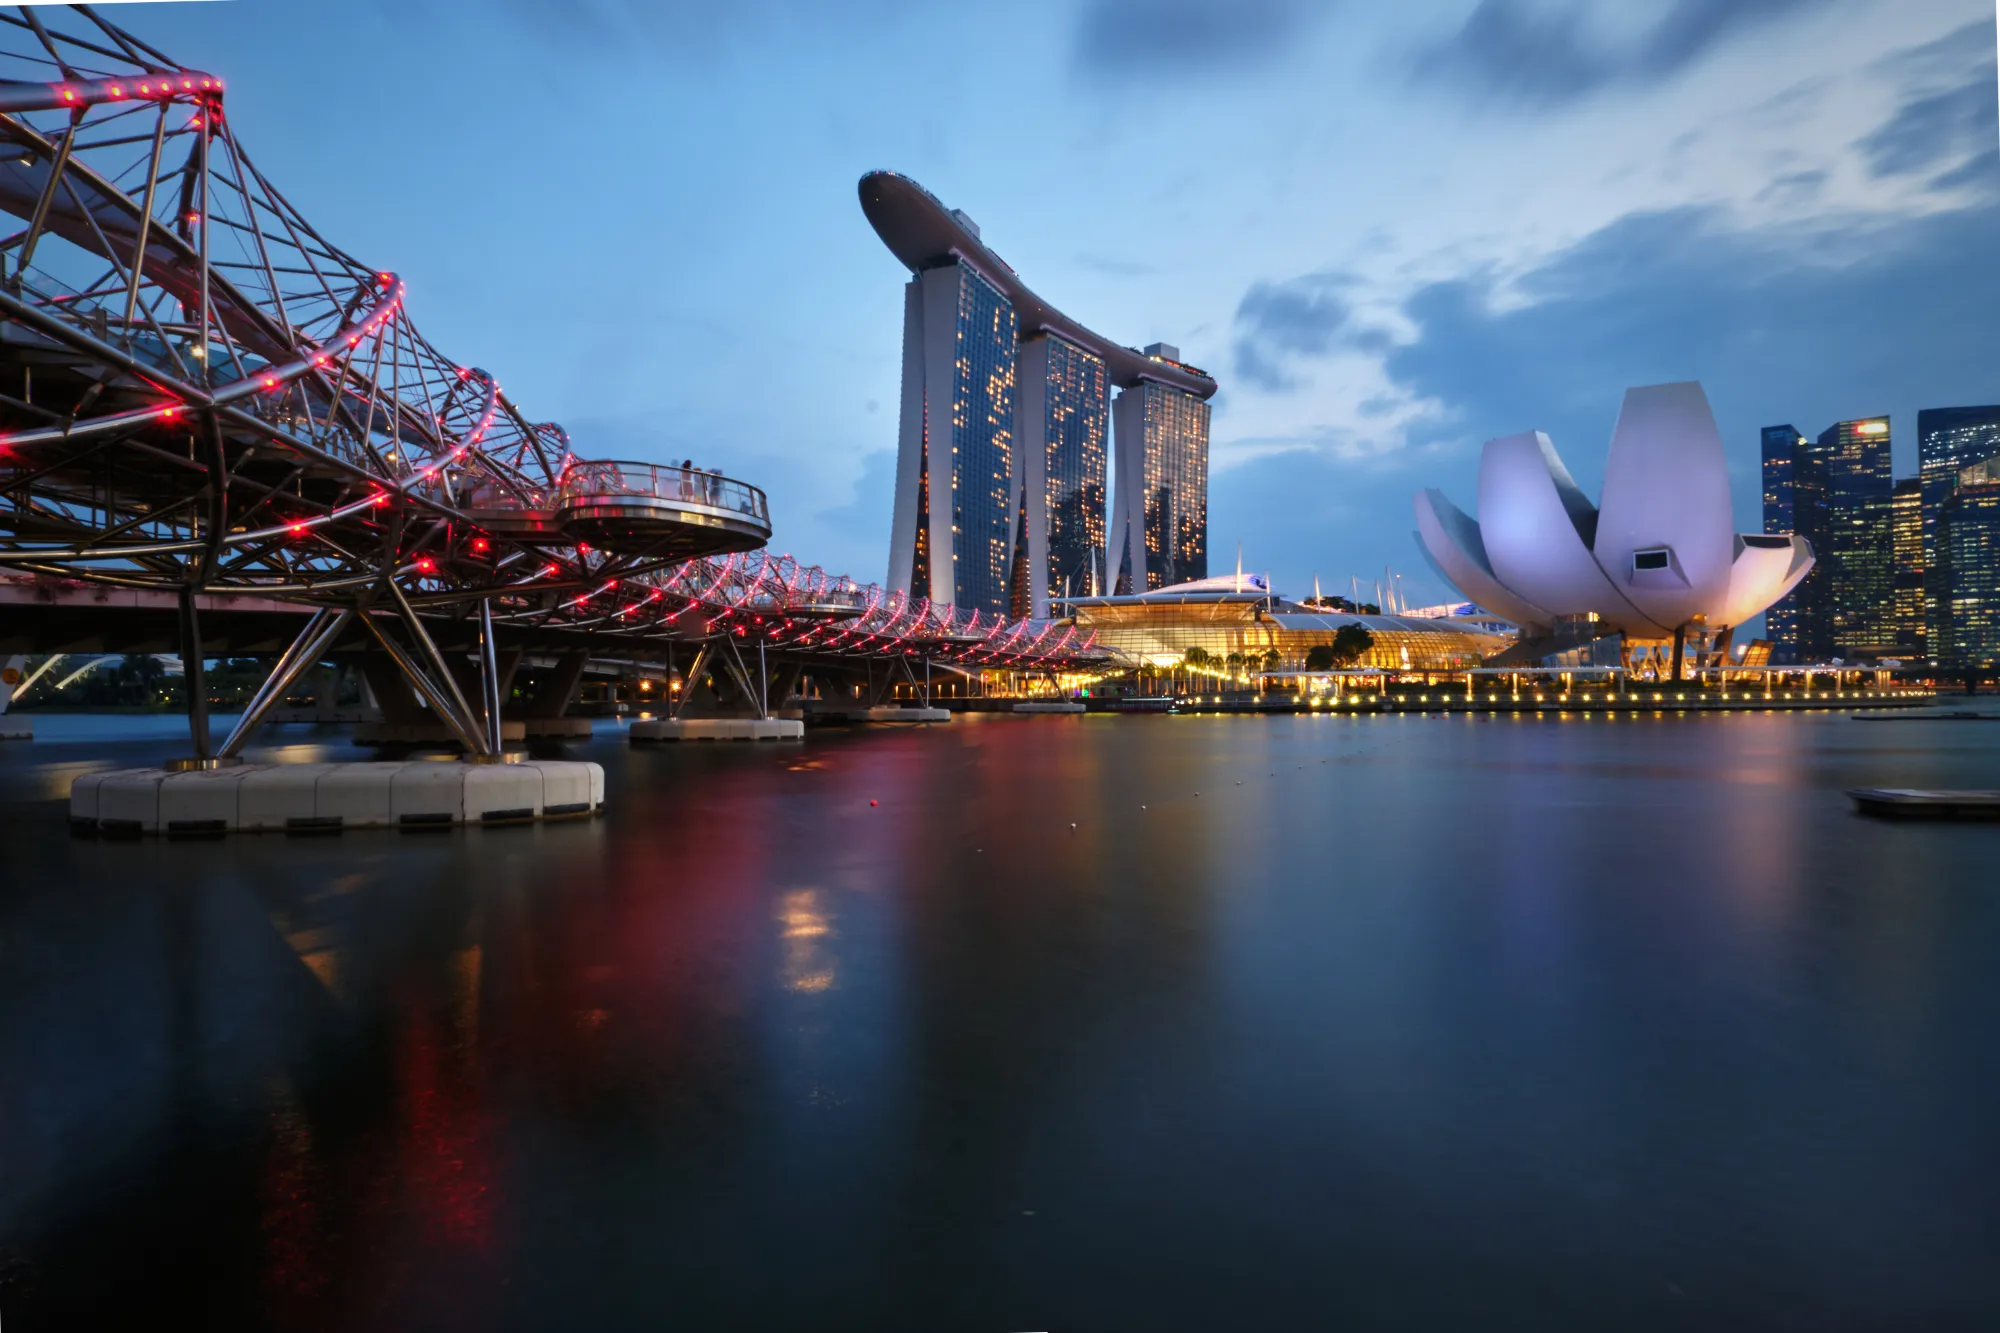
(1000, 468)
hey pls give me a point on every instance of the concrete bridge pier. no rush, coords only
(869, 696)
(545, 715)
(216, 792)
(723, 698)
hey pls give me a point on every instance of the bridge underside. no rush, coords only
(534, 673)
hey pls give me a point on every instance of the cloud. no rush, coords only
(669, 25)
(1301, 513)
(1277, 321)
(1546, 54)
(865, 515)
(1794, 189)
(1777, 326)
(1676, 295)
(1975, 173)
(1131, 40)
(1947, 113)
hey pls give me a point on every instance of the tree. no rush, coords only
(137, 677)
(1319, 657)
(1271, 659)
(1198, 657)
(1351, 643)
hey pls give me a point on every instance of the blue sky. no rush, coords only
(1392, 232)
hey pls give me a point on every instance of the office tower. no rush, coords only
(954, 523)
(1906, 528)
(1000, 469)
(1949, 440)
(1062, 421)
(1967, 548)
(1783, 447)
(1160, 434)
(1850, 460)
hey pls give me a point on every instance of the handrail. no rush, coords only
(595, 478)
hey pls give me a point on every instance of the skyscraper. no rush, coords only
(1967, 546)
(953, 532)
(1062, 421)
(1160, 434)
(1851, 460)
(1949, 440)
(1000, 470)
(1906, 525)
(1783, 449)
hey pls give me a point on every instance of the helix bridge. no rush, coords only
(203, 397)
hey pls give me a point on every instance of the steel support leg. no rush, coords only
(690, 682)
(468, 735)
(306, 650)
(192, 676)
(467, 721)
(732, 662)
(489, 676)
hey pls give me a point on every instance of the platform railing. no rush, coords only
(493, 495)
(659, 481)
(854, 598)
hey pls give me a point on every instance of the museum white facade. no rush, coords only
(1656, 557)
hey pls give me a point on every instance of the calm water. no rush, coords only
(1400, 1023)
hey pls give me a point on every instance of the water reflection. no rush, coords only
(1420, 1016)
(808, 955)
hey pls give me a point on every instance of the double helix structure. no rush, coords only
(201, 396)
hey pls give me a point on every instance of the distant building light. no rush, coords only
(1872, 428)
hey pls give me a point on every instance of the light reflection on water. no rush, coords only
(1401, 1022)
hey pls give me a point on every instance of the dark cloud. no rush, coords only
(1773, 337)
(1796, 188)
(1980, 172)
(1129, 40)
(1542, 55)
(1947, 113)
(1277, 321)
(1674, 295)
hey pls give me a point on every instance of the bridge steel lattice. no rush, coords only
(202, 395)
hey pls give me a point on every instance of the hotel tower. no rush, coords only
(1007, 406)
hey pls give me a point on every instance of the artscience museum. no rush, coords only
(1655, 566)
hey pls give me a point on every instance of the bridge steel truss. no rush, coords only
(200, 394)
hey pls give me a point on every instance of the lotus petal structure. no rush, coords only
(1658, 553)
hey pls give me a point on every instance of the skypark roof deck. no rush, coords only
(920, 231)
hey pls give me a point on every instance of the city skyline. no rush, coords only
(1885, 585)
